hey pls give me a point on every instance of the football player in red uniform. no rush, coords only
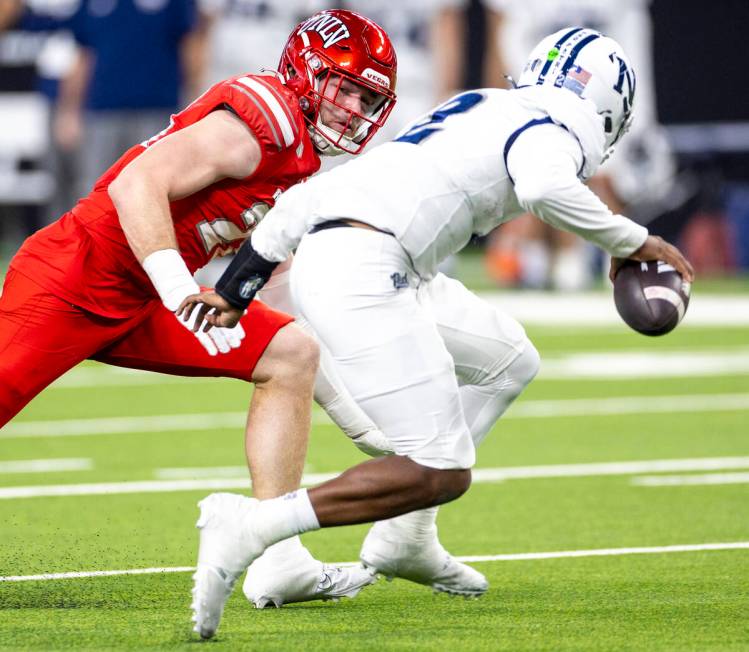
(103, 281)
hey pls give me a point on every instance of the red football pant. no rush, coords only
(42, 337)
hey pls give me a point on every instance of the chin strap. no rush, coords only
(323, 136)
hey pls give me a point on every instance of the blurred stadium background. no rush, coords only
(692, 186)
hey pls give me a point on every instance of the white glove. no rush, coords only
(218, 339)
(373, 443)
(173, 282)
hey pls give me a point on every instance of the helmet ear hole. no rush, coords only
(608, 124)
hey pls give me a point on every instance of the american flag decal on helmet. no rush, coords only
(577, 79)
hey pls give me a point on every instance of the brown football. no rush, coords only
(650, 297)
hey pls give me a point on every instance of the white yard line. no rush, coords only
(46, 465)
(522, 410)
(523, 556)
(595, 309)
(505, 472)
(629, 363)
(197, 472)
(646, 364)
(691, 480)
(485, 475)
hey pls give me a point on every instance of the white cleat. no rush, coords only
(226, 549)
(422, 562)
(300, 578)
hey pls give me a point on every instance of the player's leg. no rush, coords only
(494, 361)
(41, 337)
(396, 367)
(330, 393)
(281, 360)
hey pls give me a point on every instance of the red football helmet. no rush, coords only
(321, 54)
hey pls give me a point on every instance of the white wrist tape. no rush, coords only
(170, 277)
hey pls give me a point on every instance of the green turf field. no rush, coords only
(694, 420)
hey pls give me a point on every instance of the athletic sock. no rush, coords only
(414, 527)
(283, 517)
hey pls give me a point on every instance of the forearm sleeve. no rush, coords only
(543, 164)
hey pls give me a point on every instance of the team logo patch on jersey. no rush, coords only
(400, 281)
(331, 29)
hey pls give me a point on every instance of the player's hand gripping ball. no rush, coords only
(651, 297)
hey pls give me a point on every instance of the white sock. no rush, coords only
(413, 527)
(279, 518)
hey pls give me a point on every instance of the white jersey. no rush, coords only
(480, 159)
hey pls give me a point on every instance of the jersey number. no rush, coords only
(223, 236)
(429, 125)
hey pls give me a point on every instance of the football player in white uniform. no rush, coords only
(431, 364)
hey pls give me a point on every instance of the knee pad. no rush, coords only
(525, 367)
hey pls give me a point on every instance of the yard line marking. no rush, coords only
(631, 363)
(523, 410)
(507, 472)
(46, 465)
(523, 556)
(479, 476)
(595, 309)
(630, 405)
(645, 364)
(608, 552)
(116, 425)
(194, 473)
(139, 487)
(110, 573)
(111, 376)
(691, 480)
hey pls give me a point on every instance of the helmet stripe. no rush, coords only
(573, 55)
(557, 45)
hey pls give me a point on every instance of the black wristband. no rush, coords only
(246, 274)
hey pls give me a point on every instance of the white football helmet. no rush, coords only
(592, 66)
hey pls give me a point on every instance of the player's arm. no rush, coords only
(543, 163)
(269, 245)
(217, 147)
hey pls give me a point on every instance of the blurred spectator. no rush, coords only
(428, 39)
(246, 35)
(51, 18)
(136, 63)
(636, 179)
(32, 54)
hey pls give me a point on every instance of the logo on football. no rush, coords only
(650, 297)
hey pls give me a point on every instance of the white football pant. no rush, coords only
(401, 346)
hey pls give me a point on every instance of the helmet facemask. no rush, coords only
(323, 57)
(355, 129)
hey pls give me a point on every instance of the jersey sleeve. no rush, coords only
(264, 109)
(286, 223)
(543, 164)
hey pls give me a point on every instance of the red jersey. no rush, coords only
(84, 257)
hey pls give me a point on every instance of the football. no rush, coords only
(650, 297)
